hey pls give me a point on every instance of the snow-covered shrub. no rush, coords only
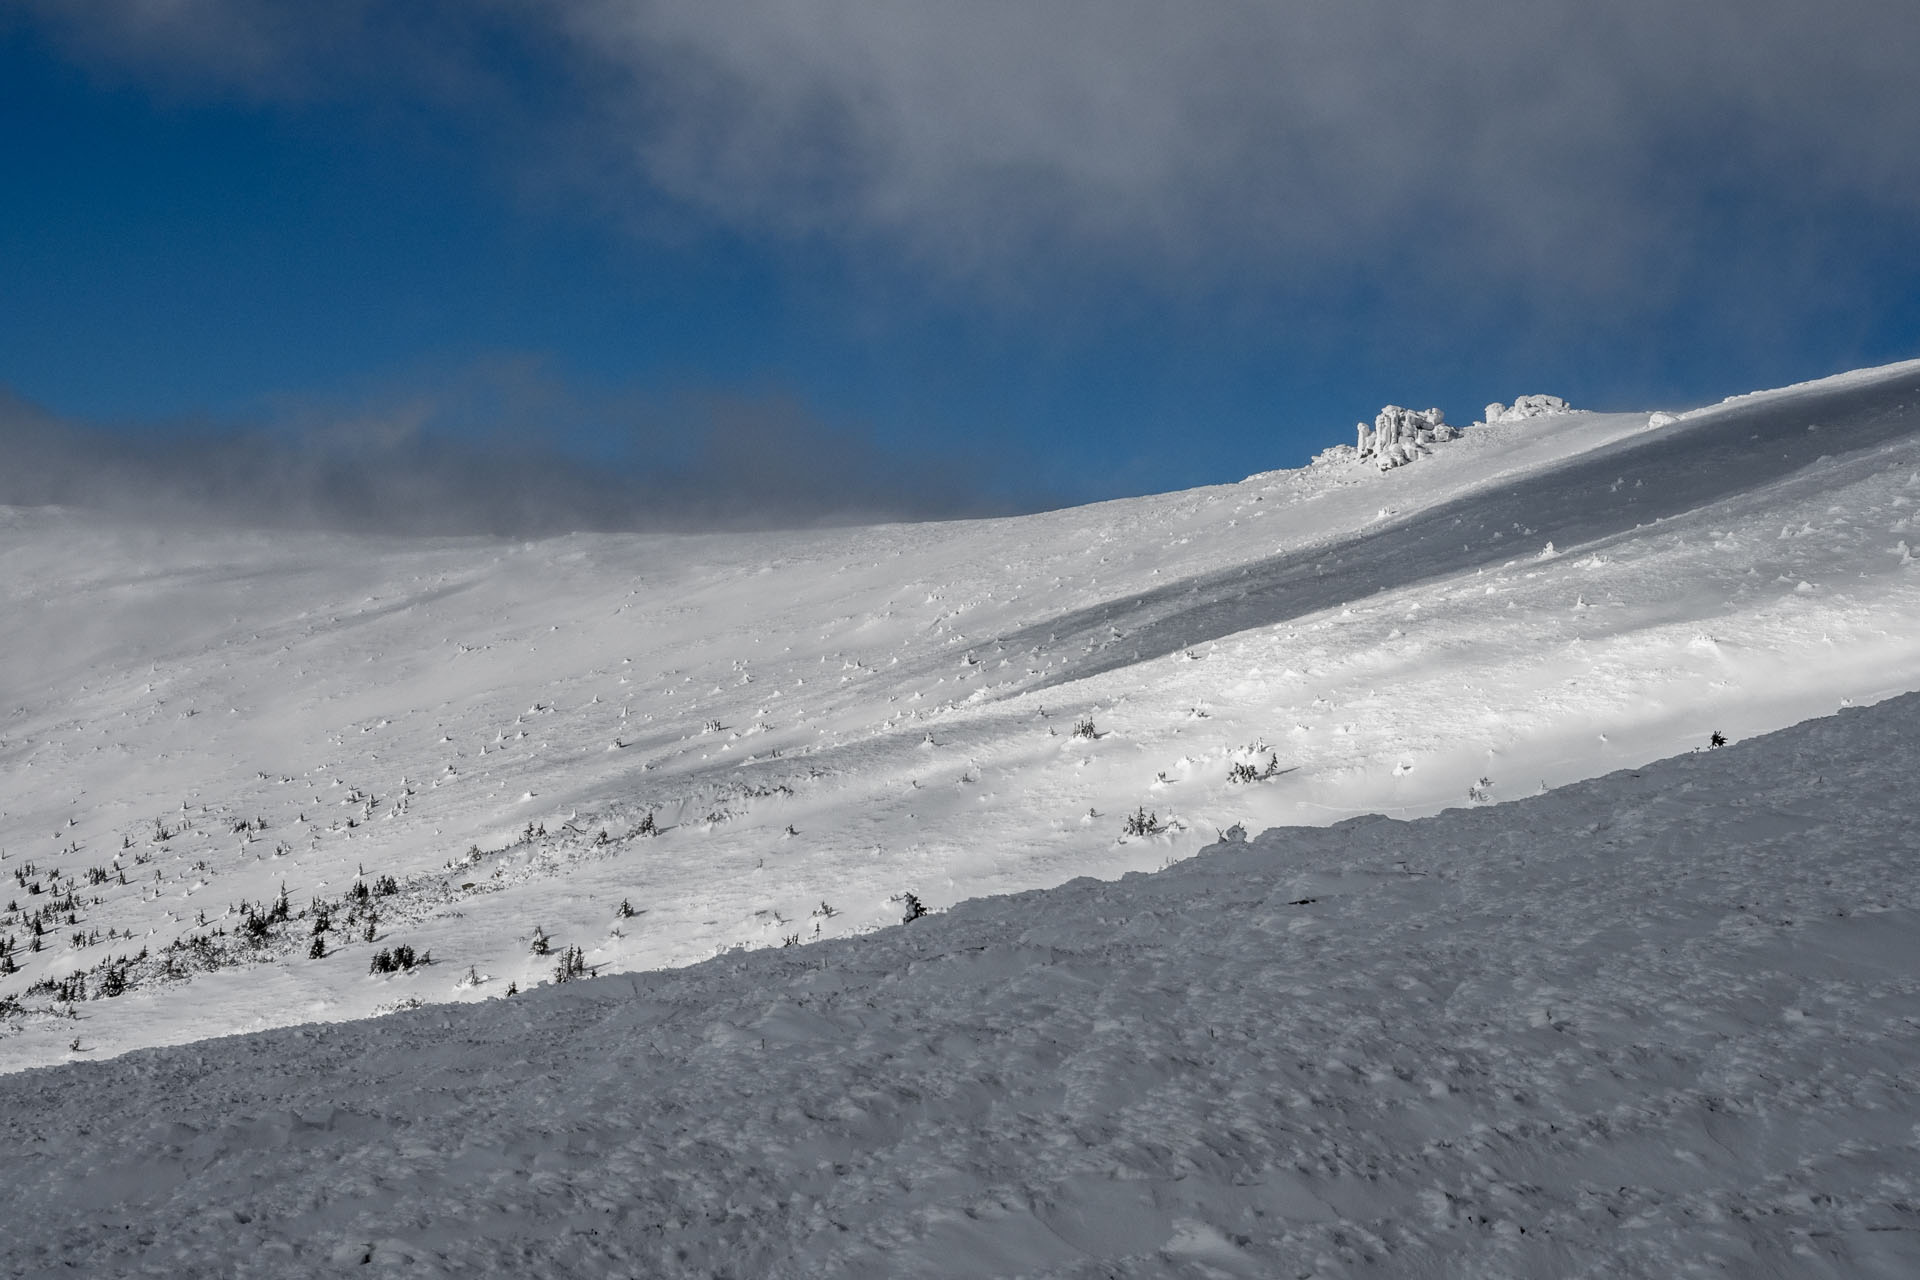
(912, 906)
(1083, 728)
(401, 957)
(573, 964)
(1142, 823)
(1245, 771)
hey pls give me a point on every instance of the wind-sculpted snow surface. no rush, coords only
(252, 779)
(1658, 1024)
(1757, 455)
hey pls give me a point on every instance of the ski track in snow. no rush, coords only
(1658, 1024)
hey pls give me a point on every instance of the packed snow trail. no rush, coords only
(1662, 1023)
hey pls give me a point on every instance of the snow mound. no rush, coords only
(1525, 407)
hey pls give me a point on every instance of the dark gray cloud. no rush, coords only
(470, 454)
(1543, 141)
(1543, 138)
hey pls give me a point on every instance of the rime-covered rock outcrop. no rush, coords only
(1396, 435)
(1399, 435)
(1526, 407)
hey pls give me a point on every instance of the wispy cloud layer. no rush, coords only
(1532, 139)
(473, 454)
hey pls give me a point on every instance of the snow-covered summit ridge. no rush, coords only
(780, 735)
(1659, 1021)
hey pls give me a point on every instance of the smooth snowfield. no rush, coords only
(1660, 1024)
(192, 721)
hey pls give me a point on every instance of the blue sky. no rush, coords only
(928, 259)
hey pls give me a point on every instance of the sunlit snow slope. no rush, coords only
(819, 722)
(1659, 1024)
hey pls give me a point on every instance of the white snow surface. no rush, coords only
(1659, 1024)
(192, 720)
(1535, 603)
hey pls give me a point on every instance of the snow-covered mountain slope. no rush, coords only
(1659, 1024)
(427, 740)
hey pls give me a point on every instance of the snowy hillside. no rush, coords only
(477, 752)
(1660, 1024)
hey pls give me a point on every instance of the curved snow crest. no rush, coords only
(1681, 997)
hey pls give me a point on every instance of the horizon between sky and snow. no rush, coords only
(532, 266)
(1657, 1023)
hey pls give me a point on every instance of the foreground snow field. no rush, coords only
(477, 750)
(1659, 1024)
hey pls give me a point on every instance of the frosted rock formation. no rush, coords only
(1526, 407)
(1397, 434)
